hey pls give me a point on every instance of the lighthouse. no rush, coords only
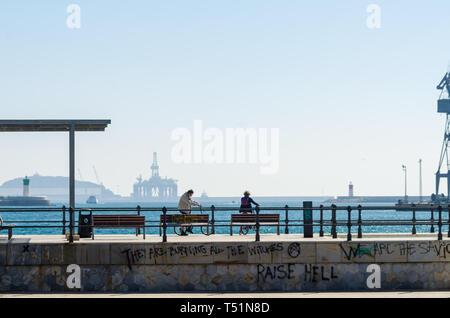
(26, 187)
(350, 190)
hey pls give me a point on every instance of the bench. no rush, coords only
(178, 220)
(250, 220)
(9, 228)
(118, 221)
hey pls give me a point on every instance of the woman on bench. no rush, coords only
(246, 208)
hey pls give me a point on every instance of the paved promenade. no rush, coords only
(218, 238)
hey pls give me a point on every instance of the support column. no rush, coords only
(72, 166)
(71, 180)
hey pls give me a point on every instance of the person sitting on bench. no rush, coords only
(184, 206)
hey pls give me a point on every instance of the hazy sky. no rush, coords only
(350, 102)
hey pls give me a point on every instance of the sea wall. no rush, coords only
(230, 266)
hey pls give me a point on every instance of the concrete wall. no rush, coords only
(277, 266)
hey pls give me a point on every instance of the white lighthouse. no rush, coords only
(350, 190)
(26, 187)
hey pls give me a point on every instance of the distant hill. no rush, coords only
(56, 189)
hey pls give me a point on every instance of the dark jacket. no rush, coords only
(246, 204)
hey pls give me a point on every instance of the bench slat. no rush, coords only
(185, 219)
(251, 218)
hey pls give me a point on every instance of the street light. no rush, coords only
(406, 189)
(420, 179)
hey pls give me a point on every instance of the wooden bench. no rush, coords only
(178, 220)
(250, 220)
(8, 227)
(118, 221)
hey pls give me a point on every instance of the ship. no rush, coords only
(92, 200)
(204, 195)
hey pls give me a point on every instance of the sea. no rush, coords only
(50, 222)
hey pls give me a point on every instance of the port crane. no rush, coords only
(96, 176)
(444, 107)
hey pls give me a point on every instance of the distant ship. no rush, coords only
(92, 200)
(204, 195)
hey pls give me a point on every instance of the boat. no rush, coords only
(92, 200)
(204, 195)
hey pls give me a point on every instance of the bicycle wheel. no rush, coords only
(204, 230)
(244, 230)
(177, 230)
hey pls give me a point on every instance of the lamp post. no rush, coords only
(420, 179)
(406, 189)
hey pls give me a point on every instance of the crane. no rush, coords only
(444, 84)
(96, 176)
(444, 107)
(80, 175)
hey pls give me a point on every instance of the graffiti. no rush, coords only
(430, 249)
(133, 256)
(359, 251)
(294, 250)
(312, 274)
(439, 249)
(152, 253)
(315, 273)
(285, 271)
(184, 250)
(236, 250)
(26, 248)
(264, 249)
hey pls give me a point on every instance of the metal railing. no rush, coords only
(333, 219)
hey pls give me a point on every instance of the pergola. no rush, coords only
(56, 125)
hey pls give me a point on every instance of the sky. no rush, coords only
(350, 102)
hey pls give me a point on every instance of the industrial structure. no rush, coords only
(155, 188)
(444, 107)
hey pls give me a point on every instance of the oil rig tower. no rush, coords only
(155, 188)
(444, 107)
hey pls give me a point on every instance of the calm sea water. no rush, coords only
(53, 220)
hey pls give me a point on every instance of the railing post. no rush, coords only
(448, 220)
(321, 221)
(432, 221)
(213, 220)
(138, 208)
(308, 231)
(286, 229)
(71, 225)
(349, 223)
(64, 220)
(333, 221)
(164, 210)
(440, 223)
(359, 221)
(257, 224)
(414, 219)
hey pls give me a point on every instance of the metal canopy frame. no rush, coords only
(56, 125)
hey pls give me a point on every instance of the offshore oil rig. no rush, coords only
(155, 188)
(444, 107)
